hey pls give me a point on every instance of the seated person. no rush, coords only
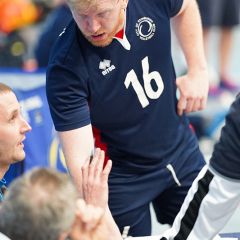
(44, 204)
(12, 133)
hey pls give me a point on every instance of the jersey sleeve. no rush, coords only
(67, 97)
(226, 156)
(175, 6)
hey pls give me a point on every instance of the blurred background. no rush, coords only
(28, 30)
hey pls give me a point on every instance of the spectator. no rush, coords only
(12, 132)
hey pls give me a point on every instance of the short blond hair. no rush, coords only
(81, 4)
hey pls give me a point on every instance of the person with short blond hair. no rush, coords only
(110, 75)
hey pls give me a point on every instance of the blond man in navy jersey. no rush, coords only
(111, 76)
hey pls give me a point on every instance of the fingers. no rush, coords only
(196, 105)
(189, 106)
(202, 104)
(193, 89)
(91, 171)
(91, 216)
(95, 179)
(99, 164)
(181, 105)
(85, 169)
(192, 105)
(88, 219)
(80, 207)
(96, 166)
(95, 217)
(106, 171)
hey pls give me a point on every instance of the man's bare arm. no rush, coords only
(77, 145)
(194, 85)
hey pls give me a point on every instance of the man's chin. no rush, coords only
(100, 43)
(20, 157)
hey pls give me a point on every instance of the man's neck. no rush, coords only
(3, 170)
(124, 19)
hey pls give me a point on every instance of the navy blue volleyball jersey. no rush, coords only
(126, 90)
(226, 155)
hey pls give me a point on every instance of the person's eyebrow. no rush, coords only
(104, 9)
(14, 111)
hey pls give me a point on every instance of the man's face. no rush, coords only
(12, 130)
(100, 23)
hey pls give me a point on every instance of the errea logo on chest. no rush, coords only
(106, 66)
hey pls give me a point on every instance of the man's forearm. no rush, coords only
(77, 145)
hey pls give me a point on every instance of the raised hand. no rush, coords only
(95, 180)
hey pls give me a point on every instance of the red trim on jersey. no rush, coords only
(99, 144)
(191, 126)
(120, 34)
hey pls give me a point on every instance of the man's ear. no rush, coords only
(124, 4)
(63, 236)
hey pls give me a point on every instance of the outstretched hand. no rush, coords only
(95, 189)
(193, 92)
(95, 180)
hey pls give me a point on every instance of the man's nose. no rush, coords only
(93, 25)
(25, 127)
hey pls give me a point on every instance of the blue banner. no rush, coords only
(42, 145)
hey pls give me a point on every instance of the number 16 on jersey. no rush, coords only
(147, 77)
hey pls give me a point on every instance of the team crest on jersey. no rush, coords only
(106, 66)
(145, 28)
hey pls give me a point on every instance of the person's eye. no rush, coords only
(12, 119)
(82, 16)
(103, 14)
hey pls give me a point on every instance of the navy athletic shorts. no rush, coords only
(222, 13)
(133, 185)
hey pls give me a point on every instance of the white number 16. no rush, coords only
(147, 77)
